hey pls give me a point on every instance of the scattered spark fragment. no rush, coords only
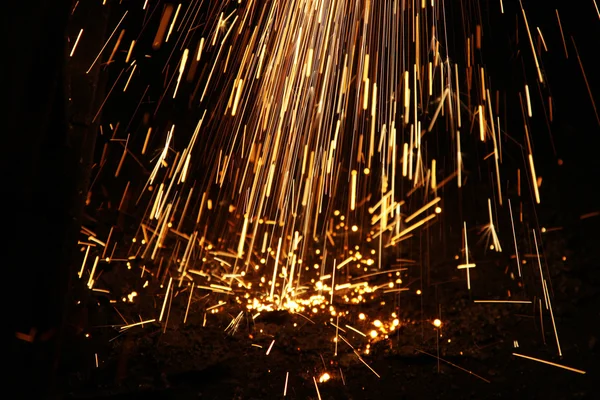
(76, 42)
(317, 388)
(550, 363)
(270, 347)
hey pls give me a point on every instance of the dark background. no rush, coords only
(49, 142)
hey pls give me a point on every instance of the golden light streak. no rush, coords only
(173, 23)
(405, 160)
(433, 175)
(454, 365)
(514, 237)
(184, 58)
(422, 209)
(535, 59)
(504, 301)
(467, 265)
(129, 79)
(275, 266)
(438, 109)
(270, 347)
(162, 311)
(562, 35)
(529, 111)
(106, 43)
(356, 330)
(240, 250)
(411, 228)
(550, 363)
(552, 318)
(187, 309)
(317, 388)
(87, 251)
(353, 190)
(219, 304)
(346, 262)
(116, 47)
(542, 37)
(137, 324)
(587, 84)
(238, 93)
(367, 365)
(536, 190)
(481, 123)
(76, 42)
(90, 283)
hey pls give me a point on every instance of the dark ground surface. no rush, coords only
(193, 361)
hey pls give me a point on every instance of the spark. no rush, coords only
(550, 363)
(454, 365)
(76, 42)
(106, 43)
(137, 324)
(317, 388)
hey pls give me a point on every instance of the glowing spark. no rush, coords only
(76, 42)
(550, 363)
(106, 43)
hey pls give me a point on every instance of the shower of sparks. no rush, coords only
(308, 154)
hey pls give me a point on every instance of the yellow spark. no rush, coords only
(550, 363)
(76, 42)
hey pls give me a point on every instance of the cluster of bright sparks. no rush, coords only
(309, 158)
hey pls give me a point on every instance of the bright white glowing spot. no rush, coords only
(438, 210)
(437, 323)
(324, 378)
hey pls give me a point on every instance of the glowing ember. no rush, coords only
(324, 378)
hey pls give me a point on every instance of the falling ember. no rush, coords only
(75, 44)
(324, 377)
